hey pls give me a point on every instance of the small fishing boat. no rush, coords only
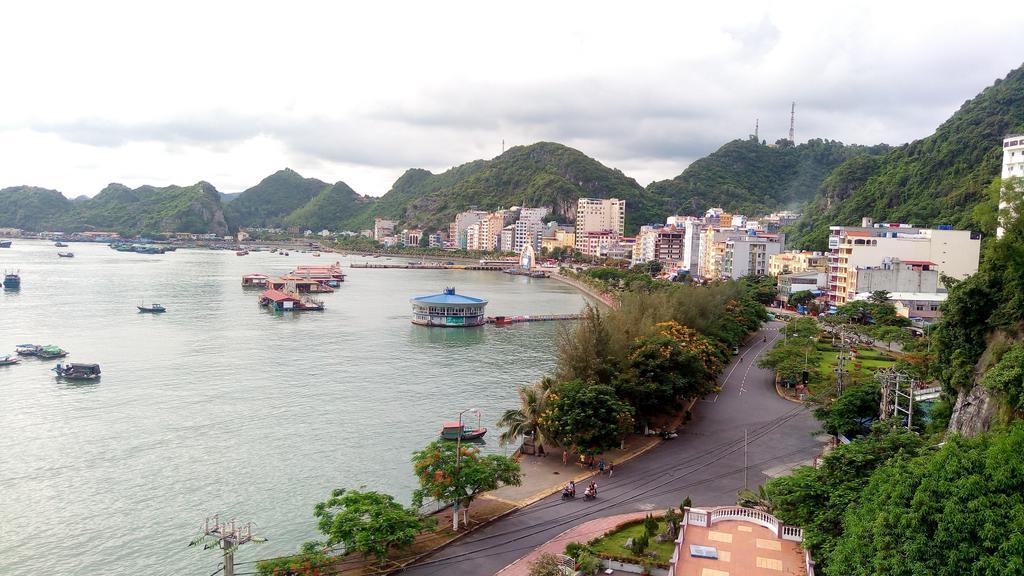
(5, 243)
(8, 360)
(27, 349)
(60, 245)
(47, 352)
(12, 281)
(242, 253)
(317, 254)
(66, 254)
(461, 431)
(77, 371)
(152, 308)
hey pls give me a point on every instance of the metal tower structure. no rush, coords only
(792, 122)
(227, 537)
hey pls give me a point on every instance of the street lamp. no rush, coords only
(458, 456)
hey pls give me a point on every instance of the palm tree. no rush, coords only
(525, 419)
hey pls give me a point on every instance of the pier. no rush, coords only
(501, 320)
(422, 266)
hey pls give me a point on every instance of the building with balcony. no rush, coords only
(747, 254)
(954, 253)
(1013, 167)
(598, 215)
(797, 261)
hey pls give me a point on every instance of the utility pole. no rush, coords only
(896, 402)
(744, 458)
(792, 123)
(226, 536)
(757, 136)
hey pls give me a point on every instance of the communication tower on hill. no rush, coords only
(792, 122)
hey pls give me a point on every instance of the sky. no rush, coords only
(229, 92)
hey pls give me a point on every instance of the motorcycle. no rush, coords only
(589, 495)
(567, 495)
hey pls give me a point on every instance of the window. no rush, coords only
(935, 307)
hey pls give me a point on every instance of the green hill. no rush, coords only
(146, 209)
(936, 180)
(541, 174)
(333, 209)
(749, 177)
(31, 208)
(268, 203)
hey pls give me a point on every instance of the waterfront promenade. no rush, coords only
(706, 462)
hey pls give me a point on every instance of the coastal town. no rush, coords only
(355, 289)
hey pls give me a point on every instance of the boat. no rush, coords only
(317, 254)
(152, 308)
(8, 360)
(77, 371)
(66, 254)
(60, 245)
(460, 431)
(47, 352)
(12, 281)
(5, 243)
(27, 349)
(242, 253)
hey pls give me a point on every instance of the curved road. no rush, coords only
(706, 462)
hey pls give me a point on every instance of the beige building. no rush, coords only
(597, 215)
(951, 252)
(382, 228)
(561, 239)
(794, 261)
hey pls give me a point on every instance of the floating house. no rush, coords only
(299, 285)
(448, 309)
(255, 281)
(288, 301)
(330, 275)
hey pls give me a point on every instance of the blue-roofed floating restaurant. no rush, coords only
(448, 309)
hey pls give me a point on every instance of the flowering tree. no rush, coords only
(454, 473)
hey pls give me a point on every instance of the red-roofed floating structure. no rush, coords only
(288, 301)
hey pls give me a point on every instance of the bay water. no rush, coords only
(219, 406)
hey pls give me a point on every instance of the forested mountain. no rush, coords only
(936, 180)
(541, 174)
(146, 209)
(268, 203)
(332, 209)
(750, 177)
(32, 208)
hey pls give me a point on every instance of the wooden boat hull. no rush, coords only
(466, 435)
(151, 310)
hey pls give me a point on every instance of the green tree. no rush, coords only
(879, 297)
(425, 239)
(546, 565)
(801, 298)
(661, 372)
(525, 420)
(457, 473)
(803, 328)
(889, 334)
(1006, 378)
(852, 413)
(588, 417)
(367, 522)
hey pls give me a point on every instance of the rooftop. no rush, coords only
(743, 549)
(448, 297)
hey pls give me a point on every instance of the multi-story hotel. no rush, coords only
(747, 254)
(597, 215)
(954, 253)
(1013, 167)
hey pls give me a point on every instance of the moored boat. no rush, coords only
(5, 243)
(27, 349)
(459, 431)
(60, 245)
(242, 253)
(152, 308)
(12, 281)
(49, 351)
(66, 254)
(8, 360)
(77, 371)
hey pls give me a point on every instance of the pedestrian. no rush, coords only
(540, 450)
(565, 457)
(611, 468)
(600, 466)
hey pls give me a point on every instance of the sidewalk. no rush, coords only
(546, 475)
(582, 533)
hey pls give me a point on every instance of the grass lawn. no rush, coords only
(869, 360)
(612, 544)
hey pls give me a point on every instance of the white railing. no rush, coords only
(808, 563)
(748, 514)
(697, 518)
(792, 533)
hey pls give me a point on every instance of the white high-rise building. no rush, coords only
(1013, 167)
(599, 215)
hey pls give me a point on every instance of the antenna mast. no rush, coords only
(792, 122)
(757, 123)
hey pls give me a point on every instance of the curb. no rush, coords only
(788, 399)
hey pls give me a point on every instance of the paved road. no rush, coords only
(705, 462)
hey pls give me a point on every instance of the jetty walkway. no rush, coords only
(532, 318)
(424, 266)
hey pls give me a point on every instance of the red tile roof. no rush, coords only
(278, 296)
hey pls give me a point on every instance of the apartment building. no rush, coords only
(747, 254)
(797, 261)
(1013, 167)
(598, 215)
(383, 228)
(952, 252)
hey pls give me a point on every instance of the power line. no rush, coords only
(226, 536)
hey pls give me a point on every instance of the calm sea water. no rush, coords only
(218, 406)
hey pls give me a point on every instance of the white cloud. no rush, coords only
(231, 91)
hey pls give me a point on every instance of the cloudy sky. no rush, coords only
(97, 92)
